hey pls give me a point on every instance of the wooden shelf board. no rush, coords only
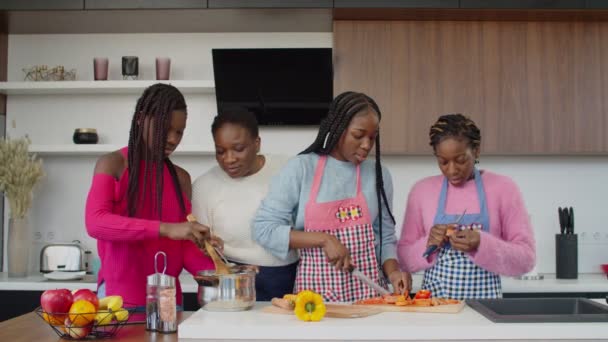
(98, 149)
(101, 87)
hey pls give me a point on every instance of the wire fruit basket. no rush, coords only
(100, 325)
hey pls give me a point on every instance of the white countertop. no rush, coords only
(465, 325)
(591, 282)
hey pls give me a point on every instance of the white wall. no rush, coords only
(57, 215)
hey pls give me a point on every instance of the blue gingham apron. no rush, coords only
(454, 275)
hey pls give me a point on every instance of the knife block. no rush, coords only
(566, 256)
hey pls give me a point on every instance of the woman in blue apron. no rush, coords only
(477, 218)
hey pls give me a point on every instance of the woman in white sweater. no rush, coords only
(227, 197)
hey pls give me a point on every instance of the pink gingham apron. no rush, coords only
(347, 219)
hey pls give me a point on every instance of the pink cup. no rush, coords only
(163, 68)
(100, 68)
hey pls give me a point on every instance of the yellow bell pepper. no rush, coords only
(309, 306)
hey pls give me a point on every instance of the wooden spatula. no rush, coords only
(220, 266)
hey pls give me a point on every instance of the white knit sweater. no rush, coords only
(228, 206)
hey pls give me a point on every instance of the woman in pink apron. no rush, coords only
(492, 238)
(333, 205)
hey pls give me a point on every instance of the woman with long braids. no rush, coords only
(333, 205)
(492, 238)
(139, 199)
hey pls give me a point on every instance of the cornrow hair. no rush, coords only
(341, 111)
(156, 104)
(240, 117)
(455, 126)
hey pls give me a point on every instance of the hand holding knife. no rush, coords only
(433, 248)
(368, 281)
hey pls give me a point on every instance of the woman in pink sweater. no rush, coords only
(492, 238)
(138, 202)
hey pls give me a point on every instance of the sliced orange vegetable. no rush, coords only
(423, 302)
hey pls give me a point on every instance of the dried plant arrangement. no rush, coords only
(44, 73)
(20, 171)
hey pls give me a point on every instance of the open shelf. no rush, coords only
(98, 149)
(101, 87)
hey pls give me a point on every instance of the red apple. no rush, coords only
(56, 304)
(88, 295)
(75, 331)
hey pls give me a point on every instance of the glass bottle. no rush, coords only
(167, 305)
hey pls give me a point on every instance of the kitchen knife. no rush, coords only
(562, 224)
(365, 279)
(433, 248)
(571, 221)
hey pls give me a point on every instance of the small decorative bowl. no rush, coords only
(85, 136)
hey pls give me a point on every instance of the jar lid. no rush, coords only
(166, 280)
(154, 279)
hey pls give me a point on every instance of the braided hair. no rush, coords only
(341, 111)
(455, 126)
(156, 105)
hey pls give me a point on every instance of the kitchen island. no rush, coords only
(254, 325)
(467, 325)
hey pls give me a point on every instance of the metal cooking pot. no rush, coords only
(226, 292)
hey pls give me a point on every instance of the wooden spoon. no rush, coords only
(220, 266)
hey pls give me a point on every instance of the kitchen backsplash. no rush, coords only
(63, 220)
(58, 213)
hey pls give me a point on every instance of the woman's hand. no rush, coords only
(401, 281)
(217, 242)
(337, 254)
(437, 236)
(192, 231)
(466, 240)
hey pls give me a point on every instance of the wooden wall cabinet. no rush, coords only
(143, 4)
(271, 3)
(532, 87)
(28, 5)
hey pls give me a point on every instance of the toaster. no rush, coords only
(66, 257)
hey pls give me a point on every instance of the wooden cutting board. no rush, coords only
(333, 310)
(448, 308)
